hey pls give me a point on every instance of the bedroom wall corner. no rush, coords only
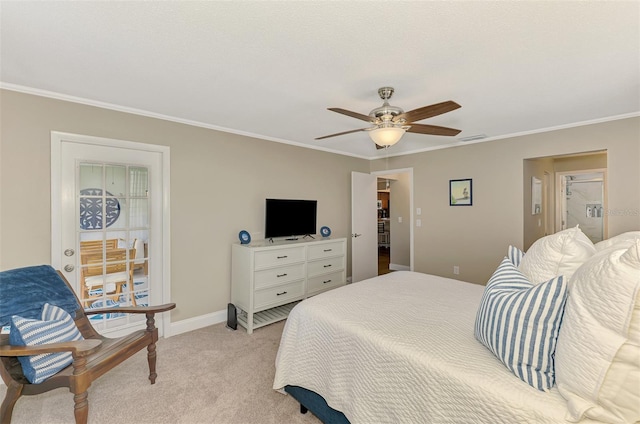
(476, 237)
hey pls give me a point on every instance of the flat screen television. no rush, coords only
(290, 218)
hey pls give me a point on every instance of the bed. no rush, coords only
(401, 348)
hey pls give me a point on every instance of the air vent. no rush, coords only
(473, 137)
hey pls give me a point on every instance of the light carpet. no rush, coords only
(211, 375)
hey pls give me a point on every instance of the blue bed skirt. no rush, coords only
(317, 405)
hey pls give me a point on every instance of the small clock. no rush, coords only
(245, 237)
(325, 231)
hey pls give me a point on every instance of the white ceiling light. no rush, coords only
(386, 136)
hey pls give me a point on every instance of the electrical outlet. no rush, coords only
(418, 223)
(456, 269)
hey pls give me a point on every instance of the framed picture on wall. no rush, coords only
(461, 192)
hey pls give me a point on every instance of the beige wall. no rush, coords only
(219, 182)
(579, 162)
(476, 238)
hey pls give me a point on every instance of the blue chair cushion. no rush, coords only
(24, 291)
(56, 326)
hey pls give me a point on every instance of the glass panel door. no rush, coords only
(113, 238)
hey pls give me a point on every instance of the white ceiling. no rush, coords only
(270, 69)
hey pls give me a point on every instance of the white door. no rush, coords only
(109, 220)
(364, 220)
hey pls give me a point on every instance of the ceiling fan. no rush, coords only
(391, 122)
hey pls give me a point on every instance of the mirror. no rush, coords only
(536, 196)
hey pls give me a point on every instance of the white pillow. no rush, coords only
(621, 240)
(557, 254)
(597, 360)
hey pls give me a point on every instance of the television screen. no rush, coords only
(290, 218)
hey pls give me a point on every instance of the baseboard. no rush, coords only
(396, 267)
(195, 323)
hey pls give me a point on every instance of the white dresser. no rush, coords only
(268, 279)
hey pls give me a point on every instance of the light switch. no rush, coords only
(400, 219)
(418, 211)
(418, 223)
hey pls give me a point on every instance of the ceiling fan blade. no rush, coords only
(428, 111)
(433, 130)
(341, 133)
(352, 114)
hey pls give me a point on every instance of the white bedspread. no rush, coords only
(400, 348)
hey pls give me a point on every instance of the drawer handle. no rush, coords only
(281, 275)
(327, 266)
(280, 294)
(282, 257)
(325, 282)
(328, 250)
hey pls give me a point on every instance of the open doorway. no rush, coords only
(384, 226)
(545, 195)
(395, 232)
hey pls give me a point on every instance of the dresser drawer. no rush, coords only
(326, 250)
(276, 257)
(325, 282)
(278, 295)
(325, 266)
(274, 276)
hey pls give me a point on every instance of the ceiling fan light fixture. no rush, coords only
(386, 136)
(389, 123)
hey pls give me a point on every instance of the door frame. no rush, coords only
(409, 171)
(57, 138)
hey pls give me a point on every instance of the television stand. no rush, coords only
(268, 279)
(308, 235)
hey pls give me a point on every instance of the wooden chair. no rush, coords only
(96, 246)
(24, 292)
(108, 277)
(141, 253)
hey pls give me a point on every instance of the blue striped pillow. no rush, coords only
(515, 255)
(519, 323)
(56, 326)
